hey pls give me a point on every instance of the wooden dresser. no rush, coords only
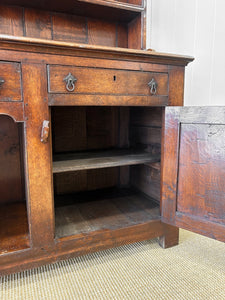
(95, 151)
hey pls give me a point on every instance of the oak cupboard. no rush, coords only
(96, 149)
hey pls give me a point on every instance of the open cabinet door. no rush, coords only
(193, 170)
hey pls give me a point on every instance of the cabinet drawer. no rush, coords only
(10, 81)
(106, 81)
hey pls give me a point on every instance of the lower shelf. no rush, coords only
(102, 210)
(97, 160)
(13, 228)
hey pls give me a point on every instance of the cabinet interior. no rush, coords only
(14, 233)
(106, 167)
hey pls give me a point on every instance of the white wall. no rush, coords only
(196, 28)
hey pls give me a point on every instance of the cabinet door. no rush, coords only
(193, 169)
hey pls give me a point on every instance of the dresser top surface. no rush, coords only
(68, 48)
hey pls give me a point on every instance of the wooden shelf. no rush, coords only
(97, 160)
(112, 10)
(109, 209)
(13, 227)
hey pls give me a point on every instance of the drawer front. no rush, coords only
(106, 81)
(10, 81)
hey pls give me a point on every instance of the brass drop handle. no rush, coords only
(70, 82)
(45, 132)
(153, 86)
(1, 81)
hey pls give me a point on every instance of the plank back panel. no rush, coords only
(69, 28)
(11, 20)
(49, 25)
(37, 24)
(102, 33)
(134, 34)
(80, 129)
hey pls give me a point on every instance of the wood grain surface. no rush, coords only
(87, 161)
(193, 179)
(110, 210)
(11, 89)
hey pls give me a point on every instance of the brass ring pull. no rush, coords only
(1, 81)
(153, 86)
(70, 82)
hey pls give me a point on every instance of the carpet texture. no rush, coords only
(193, 270)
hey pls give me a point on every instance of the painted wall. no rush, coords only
(196, 28)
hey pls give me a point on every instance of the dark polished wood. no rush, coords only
(106, 209)
(101, 9)
(112, 107)
(193, 170)
(14, 234)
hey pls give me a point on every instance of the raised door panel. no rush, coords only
(193, 176)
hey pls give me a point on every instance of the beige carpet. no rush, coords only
(193, 270)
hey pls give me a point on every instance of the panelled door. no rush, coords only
(193, 174)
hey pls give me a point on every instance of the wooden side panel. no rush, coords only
(41, 214)
(14, 234)
(194, 170)
(11, 20)
(134, 34)
(146, 179)
(176, 86)
(145, 132)
(11, 162)
(122, 35)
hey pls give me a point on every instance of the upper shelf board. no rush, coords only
(101, 9)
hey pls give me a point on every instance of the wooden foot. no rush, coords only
(170, 237)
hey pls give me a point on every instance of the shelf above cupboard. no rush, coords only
(97, 160)
(101, 9)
